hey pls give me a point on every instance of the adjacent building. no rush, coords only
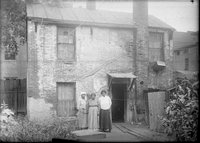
(186, 53)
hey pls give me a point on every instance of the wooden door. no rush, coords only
(156, 102)
(118, 93)
(66, 99)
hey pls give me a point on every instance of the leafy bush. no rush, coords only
(20, 129)
(181, 117)
(7, 123)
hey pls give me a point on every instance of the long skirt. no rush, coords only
(93, 118)
(82, 119)
(105, 120)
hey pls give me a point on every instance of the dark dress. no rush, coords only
(105, 120)
(104, 115)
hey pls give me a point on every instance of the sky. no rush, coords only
(182, 15)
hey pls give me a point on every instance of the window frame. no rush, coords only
(186, 64)
(162, 48)
(74, 44)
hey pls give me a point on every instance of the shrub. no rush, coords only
(20, 129)
(181, 117)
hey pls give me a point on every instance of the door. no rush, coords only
(156, 101)
(118, 94)
(66, 99)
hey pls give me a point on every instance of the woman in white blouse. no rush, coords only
(104, 117)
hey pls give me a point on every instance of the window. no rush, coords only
(178, 53)
(65, 45)
(66, 99)
(156, 48)
(186, 63)
(10, 54)
(186, 51)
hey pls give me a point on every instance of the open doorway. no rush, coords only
(118, 102)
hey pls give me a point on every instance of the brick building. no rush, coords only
(71, 50)
(186, 53)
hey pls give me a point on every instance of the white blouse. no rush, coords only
(82, 104)
(105, 102)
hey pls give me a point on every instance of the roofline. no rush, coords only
(188, 46)
(163, 28)
(56, 21)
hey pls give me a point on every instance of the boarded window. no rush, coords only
(66, 46)
(156, 48)
(66, 99)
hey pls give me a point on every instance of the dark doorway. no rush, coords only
(118, 102)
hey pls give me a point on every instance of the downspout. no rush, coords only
(135, 73)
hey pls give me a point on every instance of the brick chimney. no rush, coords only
(140, 51)
(91, 4)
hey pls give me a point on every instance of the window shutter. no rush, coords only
(66, 99)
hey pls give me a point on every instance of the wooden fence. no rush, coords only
(13, 93)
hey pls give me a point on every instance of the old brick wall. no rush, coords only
(97, 53)
(163, 79)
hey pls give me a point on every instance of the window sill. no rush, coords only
(9, 60)
(66, 61)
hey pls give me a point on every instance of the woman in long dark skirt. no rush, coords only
(104, 117)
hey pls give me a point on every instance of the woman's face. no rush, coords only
(93, 96)
(83, 96)
(103, 93)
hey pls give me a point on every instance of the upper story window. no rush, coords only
(10, 54)
(66, 44)
(156, 47)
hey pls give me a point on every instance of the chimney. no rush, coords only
(91, 4)
(140, 52)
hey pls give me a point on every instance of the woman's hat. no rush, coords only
(83, 93)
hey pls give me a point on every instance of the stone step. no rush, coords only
(88, 134)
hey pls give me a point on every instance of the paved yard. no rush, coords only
(123, 132)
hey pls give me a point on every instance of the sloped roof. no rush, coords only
(85, 16)
(185, 39)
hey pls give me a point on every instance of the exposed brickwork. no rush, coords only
(98, 52)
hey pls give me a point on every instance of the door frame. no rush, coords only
(126, 83)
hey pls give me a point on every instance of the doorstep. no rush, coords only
(88, 134)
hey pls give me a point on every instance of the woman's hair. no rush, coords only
(103, 91)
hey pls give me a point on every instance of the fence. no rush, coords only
(13, 92)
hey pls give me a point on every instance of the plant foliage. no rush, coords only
(20, 129)
(13, 22)
(181, 117)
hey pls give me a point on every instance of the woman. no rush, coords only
(93, 112)
(104, 117)
(82, 111)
